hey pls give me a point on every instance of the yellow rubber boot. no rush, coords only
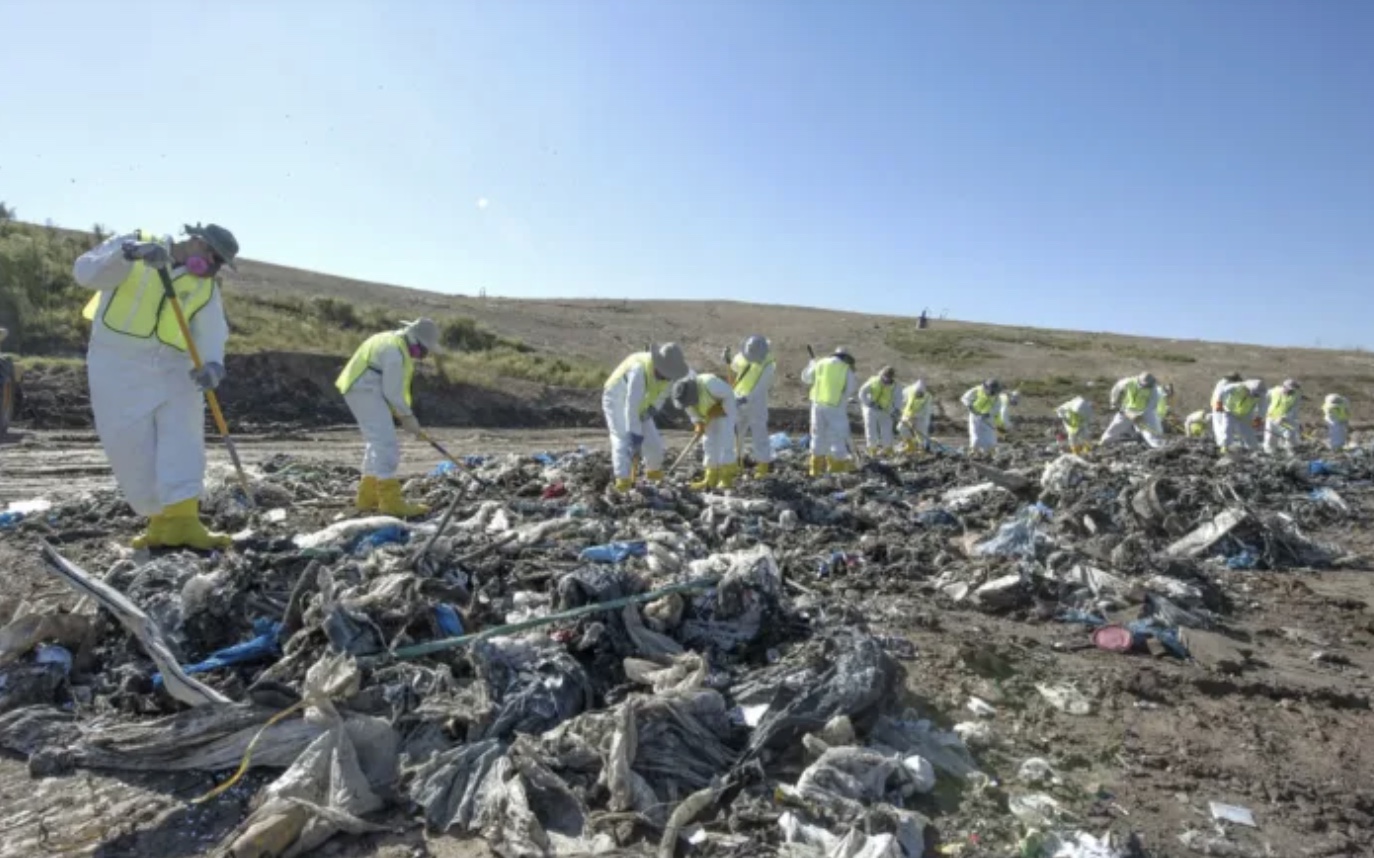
(367, 499)
(392, 503)
(707, 480)
(152, 537)
(726, 476)
(181, 528)
(654, 476)
(624, 484)
(816, 466)
(762, 469)
(840, 466)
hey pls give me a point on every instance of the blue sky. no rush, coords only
(1188, 168)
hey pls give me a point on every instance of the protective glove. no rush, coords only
(410, 424)
(636, 444)
(698, 429)
(208, 376)
(148, 252)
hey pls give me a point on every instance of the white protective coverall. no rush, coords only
(1218, 419)
(1234, 424)
(372, 399)
(830, 423)
(981, 405)
(916, 414)
(1001, 415)
(621, 403)
(1281, 419)
(1138, 414)
(1197, 423)
(1077, 417)
(1336, 411)
(149, 414)
(879, 401)
(753, 406)
(718, 445)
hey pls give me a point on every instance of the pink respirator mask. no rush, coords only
(417, 351)
(198, 266)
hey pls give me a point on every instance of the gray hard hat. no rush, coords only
(1291, 385)
(843, 354)
(221, 241)
(754, 349)
(685, 392)
(424, 333)
(1254, 385)
(920, 387)
(992, 385)
(669, 361)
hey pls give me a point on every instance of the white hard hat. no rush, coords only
(1254, 385)
(920, 387)
(423, 332)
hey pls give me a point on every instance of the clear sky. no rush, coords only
(1189, 168)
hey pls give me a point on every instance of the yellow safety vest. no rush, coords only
(983, 402)
(706, 402)
(1338, 412)
(1196, 423)
(747, 373)
(881, 393)
(653, 386)
(1281, 404)
(139, 308)
(914, 404)
(831, 378)
(364, 360)
(1135, 397)
(1239, 402)
(1162, 406)
(1072, 420)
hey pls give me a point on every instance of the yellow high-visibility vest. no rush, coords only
(653, 386)
(983, 403)
(139, 308)
(706, 402)
(881, 393)
(747, 373)
(1135, 397)
(1280, 404)
(1240, 403)
(1338, 412)
(365, 360)
(913, 405)
(831, 379)
(1162, 406)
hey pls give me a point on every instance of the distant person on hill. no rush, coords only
(1197, 423)
(1336, 411)
(1136, 398)
(923, 321)
(981, 402)
(631, 399)
(710, 404)
(1077, 417)
(751, 373)
(1281, 417)
(1236, 411)
(878, 396)
(918, 405)
(145, 392)
(833, 385)
(376, 384)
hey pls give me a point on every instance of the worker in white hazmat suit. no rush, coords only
(1197, 423)
(981, 402)
(1077, 417)
(376, 385)
(1239, 404)
(917, 408)
(1336, 412)
(833, 384)
(145, 392)
(1002, 412)
(1135, 397)
(631, 399)
(1218, 421)
(1162, 405)
(711, 406)
(878, 397)
(1281, 416)
(751, 373)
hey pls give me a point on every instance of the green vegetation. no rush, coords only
(947, 348)
(1146, 354)
(41, 305)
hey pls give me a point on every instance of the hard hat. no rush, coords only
(1290, 385)
(1233, 377)
(1254, 385)
(754, 349)
(992, 385)
(843, 354)
(887, 374)
(685, 392)
(920, 388)
(1147, 379)
(668, 361)
(422, 332)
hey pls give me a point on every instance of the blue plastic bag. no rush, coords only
(369, 542)
(10, 519)
(1319, 468)
(614, 552)
(779, 441)
(263, 646)
(544, 458)
(450, 623)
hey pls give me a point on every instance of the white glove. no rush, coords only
(410, 424)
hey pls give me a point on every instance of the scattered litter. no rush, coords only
(1232, 813)
(1065, 698)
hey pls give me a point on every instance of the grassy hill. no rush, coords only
(571, 343)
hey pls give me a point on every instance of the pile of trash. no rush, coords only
(563, 670)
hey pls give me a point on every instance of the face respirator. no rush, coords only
(198, 266)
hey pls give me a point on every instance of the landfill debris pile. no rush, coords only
(563, 670)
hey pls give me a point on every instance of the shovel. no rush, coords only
(210, 396)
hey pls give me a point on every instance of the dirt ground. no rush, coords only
(1275, 718)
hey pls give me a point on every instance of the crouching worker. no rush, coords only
(1077, 417)
(630, 399)
(1336, 411)
(833, 384)
(145, 391)
(981, 401)
(376, 385)
(1197, 423)
(917, 407)
(879, 396)
(711, 406)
